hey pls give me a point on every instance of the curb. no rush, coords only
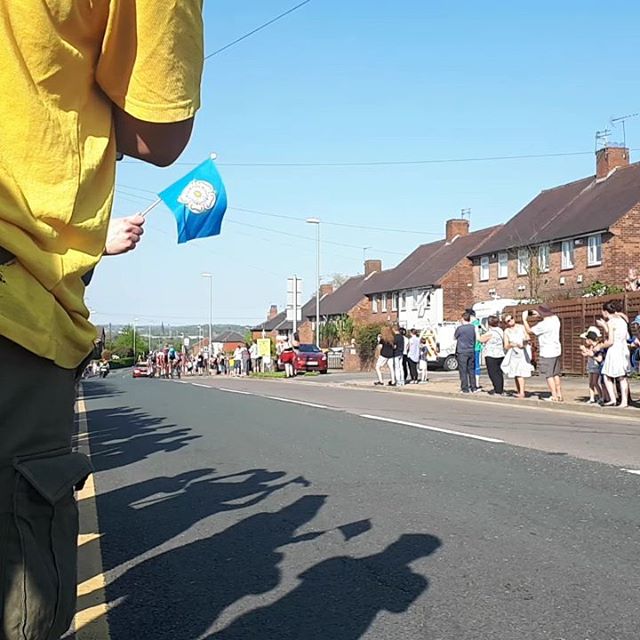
(630, 413)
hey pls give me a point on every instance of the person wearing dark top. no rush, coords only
(398, 354)
(465, 337)
(386, 357)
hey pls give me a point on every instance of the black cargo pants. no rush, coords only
(38, 513)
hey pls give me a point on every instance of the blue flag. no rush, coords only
(198, 202)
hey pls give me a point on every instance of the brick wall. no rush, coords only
(458, 293)
(362, 313)
(620, 251)
(306, 332)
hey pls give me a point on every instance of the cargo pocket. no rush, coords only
(44, 541)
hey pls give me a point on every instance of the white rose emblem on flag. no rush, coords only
(198, 196)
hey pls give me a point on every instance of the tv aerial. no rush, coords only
(614, 121)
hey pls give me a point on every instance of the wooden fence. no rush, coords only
(575, 316)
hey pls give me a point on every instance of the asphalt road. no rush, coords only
(233, 516)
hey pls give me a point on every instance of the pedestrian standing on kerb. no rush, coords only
(477, 350)
(398, 355)
(386, 357)
(79, 81)
(465, 336)
(413, 356)
(547, 330)
(493, 342)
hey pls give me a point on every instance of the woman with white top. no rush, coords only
(493, 341)
(616, 363)
(517, 361)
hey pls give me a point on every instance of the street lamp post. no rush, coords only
(210, 277)
(316, 222)
(134, 339)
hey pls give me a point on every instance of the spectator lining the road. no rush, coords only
(616, 363)
(547, 330)
(517, 360)
(593, 351)
(398, 355)
(424, 360)
(386, 357)
(493, 342)
(413, 356)
(465, 336)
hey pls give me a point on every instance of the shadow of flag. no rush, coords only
(355, 529)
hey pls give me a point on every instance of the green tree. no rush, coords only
(366, 337)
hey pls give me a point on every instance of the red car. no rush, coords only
(310, 358)
(141, 370)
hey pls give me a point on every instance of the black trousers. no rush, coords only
(405, 366)
(495, 373)
(466, 369)
(413, 369)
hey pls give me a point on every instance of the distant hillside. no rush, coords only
(170, 331)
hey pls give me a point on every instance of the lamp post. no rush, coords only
(316, 222)
(210, 277)
(134, 340)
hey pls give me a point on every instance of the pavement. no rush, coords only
(277, 510)
(446, 384)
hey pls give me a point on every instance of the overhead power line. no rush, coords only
(256, 30)
(283, 216)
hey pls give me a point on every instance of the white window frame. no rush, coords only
(524, 262)
(544, 258)
(403, 301)
(484, 269)
(503, 265)
(594, 247)
(567, 254)
(394, 301)
(374, 303)
(384, 303)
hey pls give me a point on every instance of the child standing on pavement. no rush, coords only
(593, 350)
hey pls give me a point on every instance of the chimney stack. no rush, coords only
(610, 158)
(273, 312)
(371, 266)
(325, 290)
(457, 227)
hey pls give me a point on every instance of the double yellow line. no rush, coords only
(91, 621)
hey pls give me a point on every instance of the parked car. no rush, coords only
(141, 370)
(310, 357)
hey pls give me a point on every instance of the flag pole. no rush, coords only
(150, 207)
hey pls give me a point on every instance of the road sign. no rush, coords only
(294, 299)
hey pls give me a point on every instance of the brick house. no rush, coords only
(349, 298)
(567, 237)
(431, 285)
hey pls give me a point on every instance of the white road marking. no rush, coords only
(204, 386)
(429, 428)
(636, 472)
(242, 393)
(305, 404)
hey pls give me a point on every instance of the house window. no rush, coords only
(524, 260)
(414, 296)
(484, 268)
(384, 302)
(567, 254)
(374, 304)
(543, 258)
(403, 301)
(503, 265)
(394, 301)
(594, 246)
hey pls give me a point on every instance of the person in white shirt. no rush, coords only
(550, 348)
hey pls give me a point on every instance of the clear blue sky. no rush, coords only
(339, 82)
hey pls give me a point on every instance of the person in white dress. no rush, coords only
(517, 361)
(616, 363)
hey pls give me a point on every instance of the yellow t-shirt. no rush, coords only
(63, 64)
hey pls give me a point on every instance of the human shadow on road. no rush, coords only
(180, 593)
(142, 516)
(339, 598)
(125, 435)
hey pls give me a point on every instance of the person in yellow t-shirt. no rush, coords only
(79, 82)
